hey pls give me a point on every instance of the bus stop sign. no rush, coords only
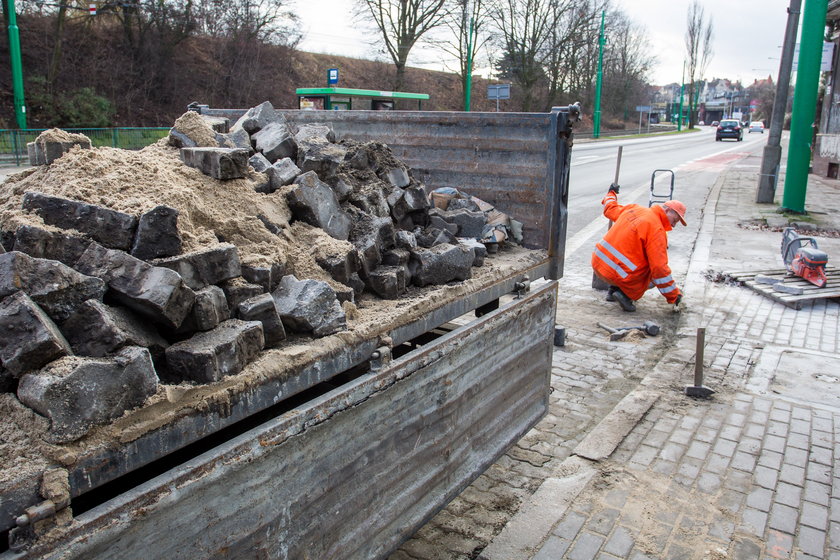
(332, 76)
(498, 91)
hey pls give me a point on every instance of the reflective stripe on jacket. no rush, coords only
(633, 255)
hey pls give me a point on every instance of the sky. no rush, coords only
(748, 35)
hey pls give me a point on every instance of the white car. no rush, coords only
(757, 126)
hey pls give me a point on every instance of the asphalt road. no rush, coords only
(594, 163)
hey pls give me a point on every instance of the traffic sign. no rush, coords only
(643, 108)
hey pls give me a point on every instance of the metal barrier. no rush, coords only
(13, 141)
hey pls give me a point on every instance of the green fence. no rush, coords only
(13, 141)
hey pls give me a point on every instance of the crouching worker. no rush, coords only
(633, 255)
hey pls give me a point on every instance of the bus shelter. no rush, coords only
(346, 99)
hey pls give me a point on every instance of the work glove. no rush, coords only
(614, 188)
(678, 304)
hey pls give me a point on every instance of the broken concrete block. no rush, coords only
(28, 338)
(314, 132)
(323, 159)
(478, 248)
(153, 291)
(205, 267)
(219, 163)
(315, 203)
(157, 234)
(263, 309)
(237, 138)
(282, 172)
(309, 306)
(266, 276)
(96, 329)
(55, 287)
(238, 290)
(275, 141)
(77, 394)
(437, 222)
(405, 240)
(470, 224)
(52, 245)
(110, 228)
(259, 163)
(210, 356)
(396, 257)
(388, 282)
(209, 310)
(397, 176)
(441, 264)
(257, 118)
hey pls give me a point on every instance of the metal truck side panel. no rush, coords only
(350, 474)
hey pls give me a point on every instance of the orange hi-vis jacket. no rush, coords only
(634, 252)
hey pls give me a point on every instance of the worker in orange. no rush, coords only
(633, 255)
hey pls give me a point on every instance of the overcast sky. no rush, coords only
(748, 35)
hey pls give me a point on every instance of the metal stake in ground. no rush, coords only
(597, 283)
(698, 390)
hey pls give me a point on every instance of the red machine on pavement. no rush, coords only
(803, 258)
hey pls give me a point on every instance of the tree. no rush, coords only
(626, 63)
(402, 23)
(465, 15)
(698, 46)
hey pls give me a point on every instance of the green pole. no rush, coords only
(468, 89)
(682, 91)
(17, 66)
(804, 105)
(596, 121)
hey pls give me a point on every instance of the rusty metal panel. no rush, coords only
(351, 474)
(518, 162)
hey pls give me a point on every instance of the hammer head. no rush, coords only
(650, 328)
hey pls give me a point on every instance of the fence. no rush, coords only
(13, 141)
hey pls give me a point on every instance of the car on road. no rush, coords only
(714, 123)
(729, 128)
(757, 126)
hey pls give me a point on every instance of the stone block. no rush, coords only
(426, 237)
(263, 309)
(210, 356)
(77, 394)
(152, 291)
(396, 257)
(309, 306)
(388, 282)
(356, 283)
(112, 229)
(445, 237)
(266, 276)
(219, 163)
(321, 158)
(441, 264)
(342, 189)
(96, 329)
(405, 239)
(397, 176)
(28, 338)
(157, 234)
(238, 290)
(205, 267)
(371, 200)
(478, 248)
(315, 203)
(180, 139)
(257, 118)
(275, 141)
(53, 150)
(217, 124)
(269, 225)
(259, 163)
(437, 222)
(315, 132)
(470, 224)
(237, 138)
(341, 267)
(282, 172)
(209, 310)
(52, 245)
(55, 287)
(36, 154)
(463, 204)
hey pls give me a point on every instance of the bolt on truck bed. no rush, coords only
(368, 459)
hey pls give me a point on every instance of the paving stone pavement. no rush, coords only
(746, 474)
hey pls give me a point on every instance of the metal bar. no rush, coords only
(698, 356)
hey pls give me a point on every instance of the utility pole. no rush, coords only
(596, 121)
(682, 91)
(468, 89)
(804, 105)
(17, 66)
(772, 156)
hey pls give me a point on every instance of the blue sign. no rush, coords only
(332, 76)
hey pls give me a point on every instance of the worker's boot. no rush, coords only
(625, 302)
(610, 291)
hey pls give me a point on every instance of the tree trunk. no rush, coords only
(58, 38)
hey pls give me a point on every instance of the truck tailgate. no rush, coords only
(350, 474)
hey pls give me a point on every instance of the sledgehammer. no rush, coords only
(649, 327)
(615, 334)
